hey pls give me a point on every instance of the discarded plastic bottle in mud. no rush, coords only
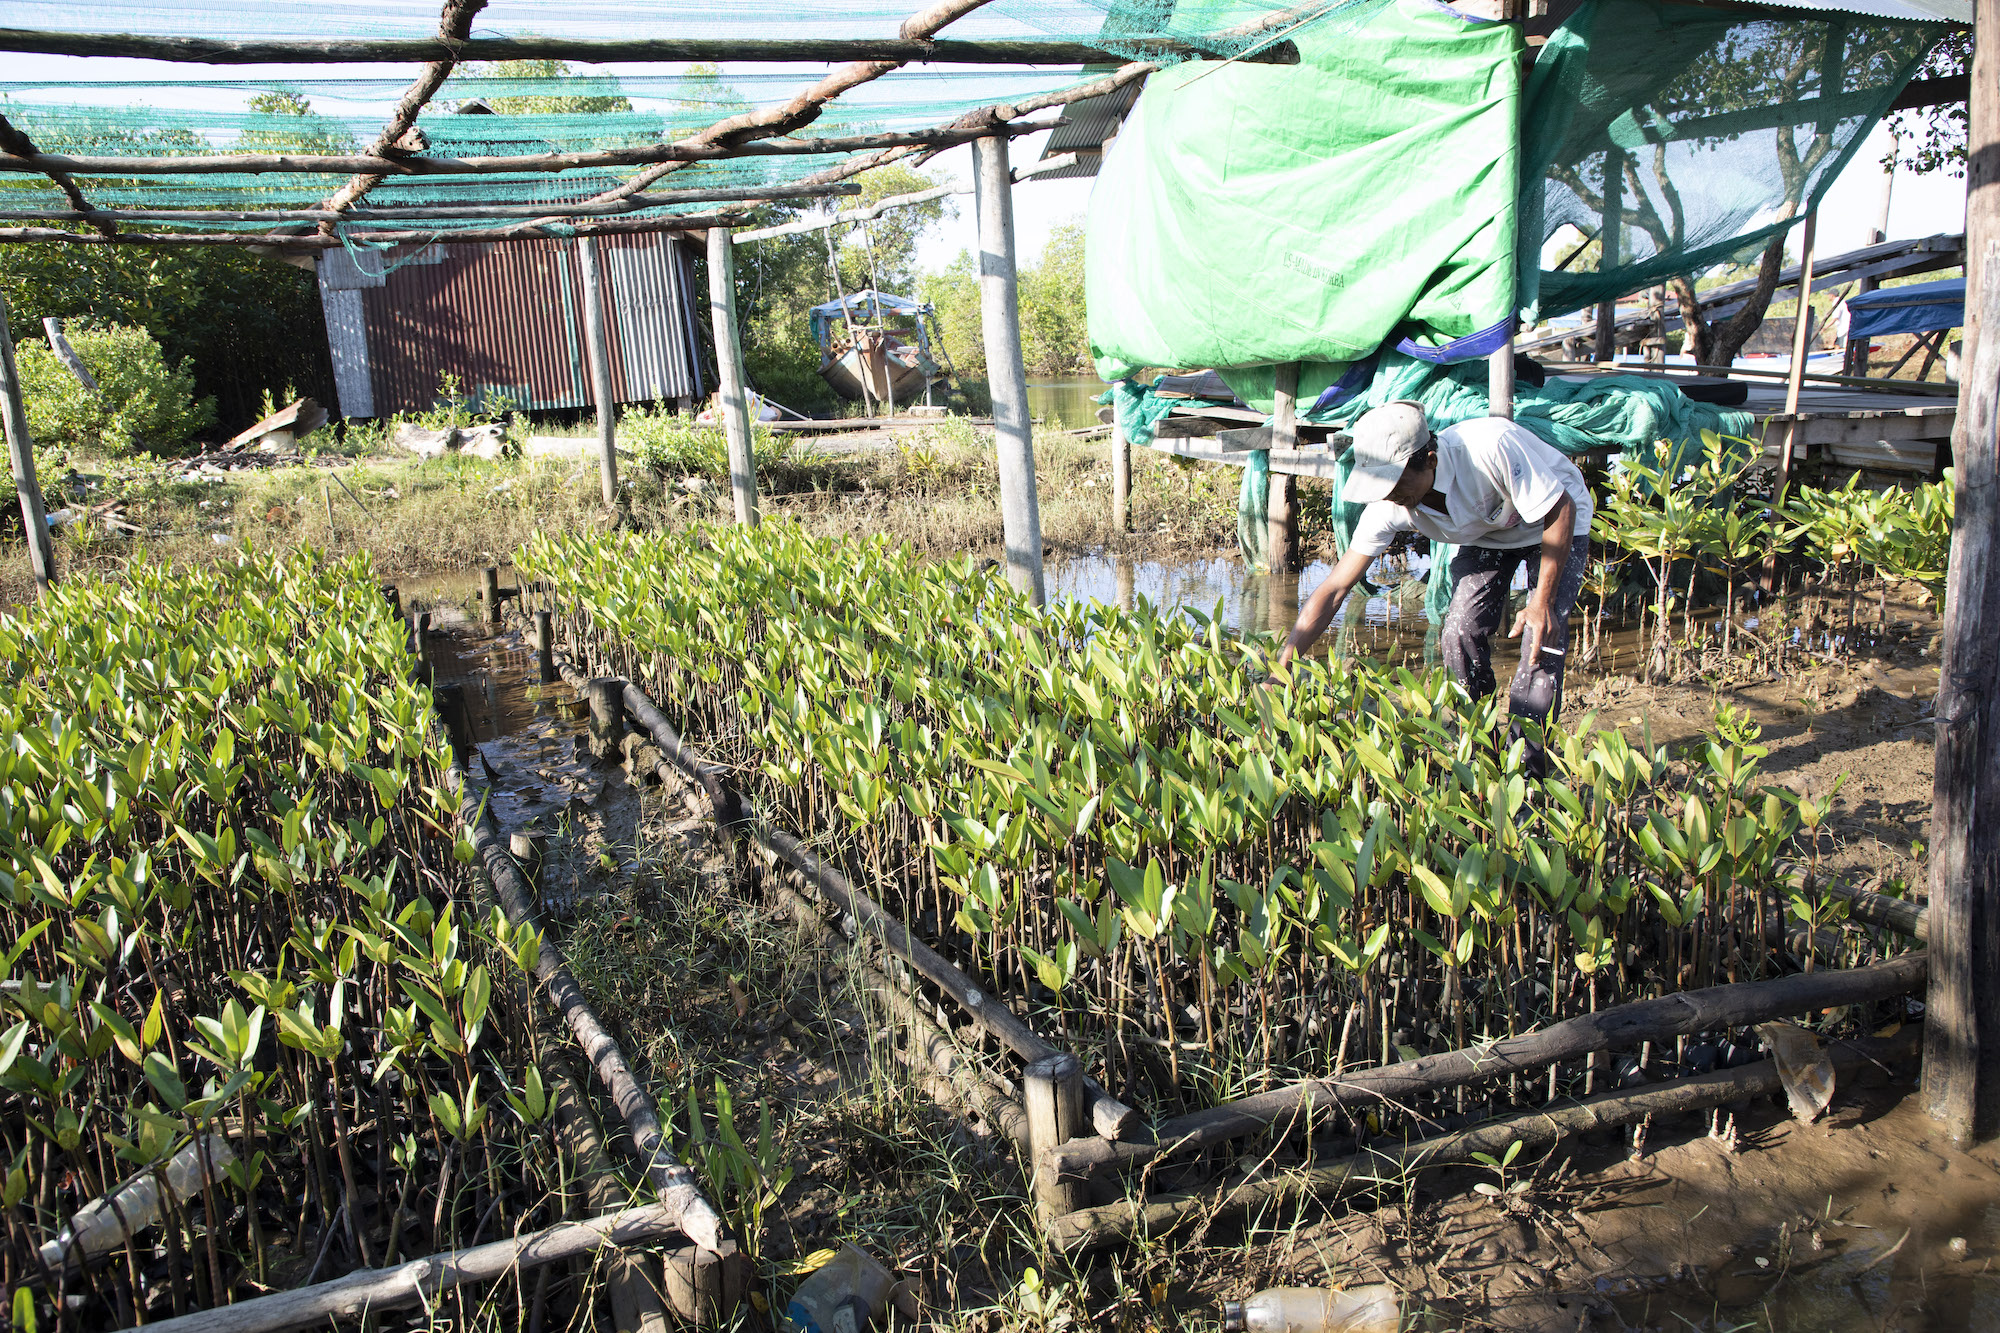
(1313, 1310)
(103, 1224)
(844, 1296)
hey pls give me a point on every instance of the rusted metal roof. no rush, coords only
(507, 320)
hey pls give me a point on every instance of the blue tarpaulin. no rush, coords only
(1921, 307)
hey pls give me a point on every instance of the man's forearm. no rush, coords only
(1557, 533)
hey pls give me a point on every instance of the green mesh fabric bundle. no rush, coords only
(1698, 133)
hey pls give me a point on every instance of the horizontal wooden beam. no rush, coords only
(349, 164)
(519, 232)
(1933, 92)
(811, 50)
(631, 204)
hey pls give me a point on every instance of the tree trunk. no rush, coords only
(1713, 346)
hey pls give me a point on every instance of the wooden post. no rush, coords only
(1281, 526)
(21, 457)
(1500, 381)
(1052, 1095)
(394, 596)
(600, 367)
(1121, 479)
(421, 631)
(734, 401)
(607, 714)
(67, 355)
(1007, 374)
(1606, 349)
(1801, 326)
(1962, 1007)
(489, 592)
(545, 645)
(1855, 361)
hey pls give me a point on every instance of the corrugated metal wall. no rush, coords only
(507, 320)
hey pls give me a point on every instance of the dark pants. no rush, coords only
(1483, 577)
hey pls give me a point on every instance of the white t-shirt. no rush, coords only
(1499, 479)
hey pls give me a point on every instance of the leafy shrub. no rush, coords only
(672, 445)
(142, 403)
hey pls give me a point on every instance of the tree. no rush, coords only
(955, 293)
(1055, 334)
(1932, 138)
(1749, 84)
(575, 94)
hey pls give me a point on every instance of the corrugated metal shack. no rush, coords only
(507, 319)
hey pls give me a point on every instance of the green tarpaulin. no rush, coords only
(1252, 214)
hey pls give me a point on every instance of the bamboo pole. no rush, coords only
(66, 354)
(1006, 371)
(1621, 1027)
(1962, 1039)
(267, 241)
(701, 50)
(21, 458)
(590, 273)
(1092, 1228)
(733, 400)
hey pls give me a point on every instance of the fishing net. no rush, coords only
(1679, 137)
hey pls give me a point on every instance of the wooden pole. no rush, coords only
(1795, 375)
(735, 399)
(21, 457)
(67, 354)
(1606, 349)
(423, 1280)
(489, 593)
(1281, 528)
(545, 645)
(607, 714)
(1006, 371)
(1121, 479)
(599, 344)
(1962, 1031)
(1500, 381)
(674, 49)
(1052, 1095)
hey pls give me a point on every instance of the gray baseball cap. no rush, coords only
(1385, 440)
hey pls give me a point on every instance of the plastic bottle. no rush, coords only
(97, 1226)
(1314, 1310)
(844, 1296)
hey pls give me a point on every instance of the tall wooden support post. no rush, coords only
(489, 593)
(1500, 381)
(1962, 1009)
(545, 646)
(1802, 326)
(1121, 479)
(21, 457)
(607, 716)
(735, 400)
(1281, 499)
(1053, 1097)
(1007, 373)
(1609, 247)
(600, 367)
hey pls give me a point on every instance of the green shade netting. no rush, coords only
(1253, 214)
(1698, 133)
(611, 20)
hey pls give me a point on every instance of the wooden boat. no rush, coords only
(882, 354)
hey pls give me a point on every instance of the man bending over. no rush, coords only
(1500, 495)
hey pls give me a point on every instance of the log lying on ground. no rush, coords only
(1092, 1228)
(1863, 905)
(420, 1281)
(678, 1191)
(1622, 1027)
